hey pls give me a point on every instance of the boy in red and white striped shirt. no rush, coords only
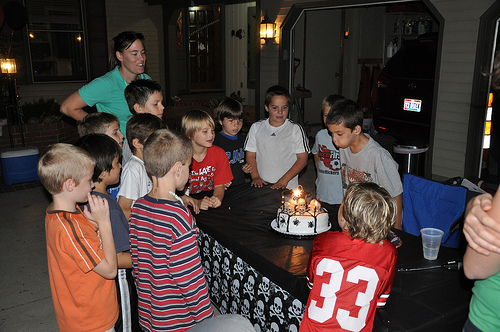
(350, 273)
(171, 286)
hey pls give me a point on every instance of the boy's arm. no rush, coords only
(316, 160)
(478, 266)
(126, 205)
(124, 260)
(194, 203)
(73, 106)
(218, 196)
(256, 180)
(107, 268)
(294, 170)
(399, 219)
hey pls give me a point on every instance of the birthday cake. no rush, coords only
(299, 214)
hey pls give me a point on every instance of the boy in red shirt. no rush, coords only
(351, 273)
(210, 169)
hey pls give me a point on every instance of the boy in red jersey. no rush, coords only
(351, 273)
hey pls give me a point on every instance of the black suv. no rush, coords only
(405, 90)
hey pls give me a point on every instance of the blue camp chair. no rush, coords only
(432, 204)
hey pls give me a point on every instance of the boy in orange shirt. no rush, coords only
(80, 248)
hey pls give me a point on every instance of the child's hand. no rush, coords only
(205, 203)
(281, 184)
(247, 168)
(226, 185)
(215, 202)
(190, 201)
(258, 182)
(100, 210)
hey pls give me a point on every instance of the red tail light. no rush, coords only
(384, 80)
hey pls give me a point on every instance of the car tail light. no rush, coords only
(383, 81)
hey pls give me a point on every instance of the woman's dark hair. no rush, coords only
(103, 149)
(120, 43)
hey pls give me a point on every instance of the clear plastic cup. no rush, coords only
(431, 240)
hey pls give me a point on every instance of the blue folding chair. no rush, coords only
(428, 203)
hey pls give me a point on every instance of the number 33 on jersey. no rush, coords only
(348, 283)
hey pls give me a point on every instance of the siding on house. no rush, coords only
(137, 15)
(455, 86)
(134, 15)
(460, 33)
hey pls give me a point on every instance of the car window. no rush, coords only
(416, 59)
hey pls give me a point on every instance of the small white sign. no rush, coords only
(412, 105)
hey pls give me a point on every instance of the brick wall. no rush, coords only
(40, 135)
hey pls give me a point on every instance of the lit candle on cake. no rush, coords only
(302, 205)
(314, 206)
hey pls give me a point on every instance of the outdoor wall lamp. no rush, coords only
(267, 29)
(8, 66)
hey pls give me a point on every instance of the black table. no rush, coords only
(254, 271)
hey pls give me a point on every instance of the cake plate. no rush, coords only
(274, 226)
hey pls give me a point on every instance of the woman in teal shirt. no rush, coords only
(128, 57)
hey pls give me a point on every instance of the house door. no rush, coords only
(204, 48)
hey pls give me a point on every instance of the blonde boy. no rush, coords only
(80, 248)
(163, 243)
(210, 169)
(350, 273)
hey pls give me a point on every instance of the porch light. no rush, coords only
(8, 66)
(267, 29)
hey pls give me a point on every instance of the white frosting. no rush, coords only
(305, 224)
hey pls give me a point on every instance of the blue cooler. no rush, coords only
(19, 165)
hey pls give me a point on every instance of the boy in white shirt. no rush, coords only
(276, 148)
(135, 182)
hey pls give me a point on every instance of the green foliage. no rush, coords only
(43, 110)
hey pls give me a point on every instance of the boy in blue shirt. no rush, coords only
(229, 113)
(106, 154)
